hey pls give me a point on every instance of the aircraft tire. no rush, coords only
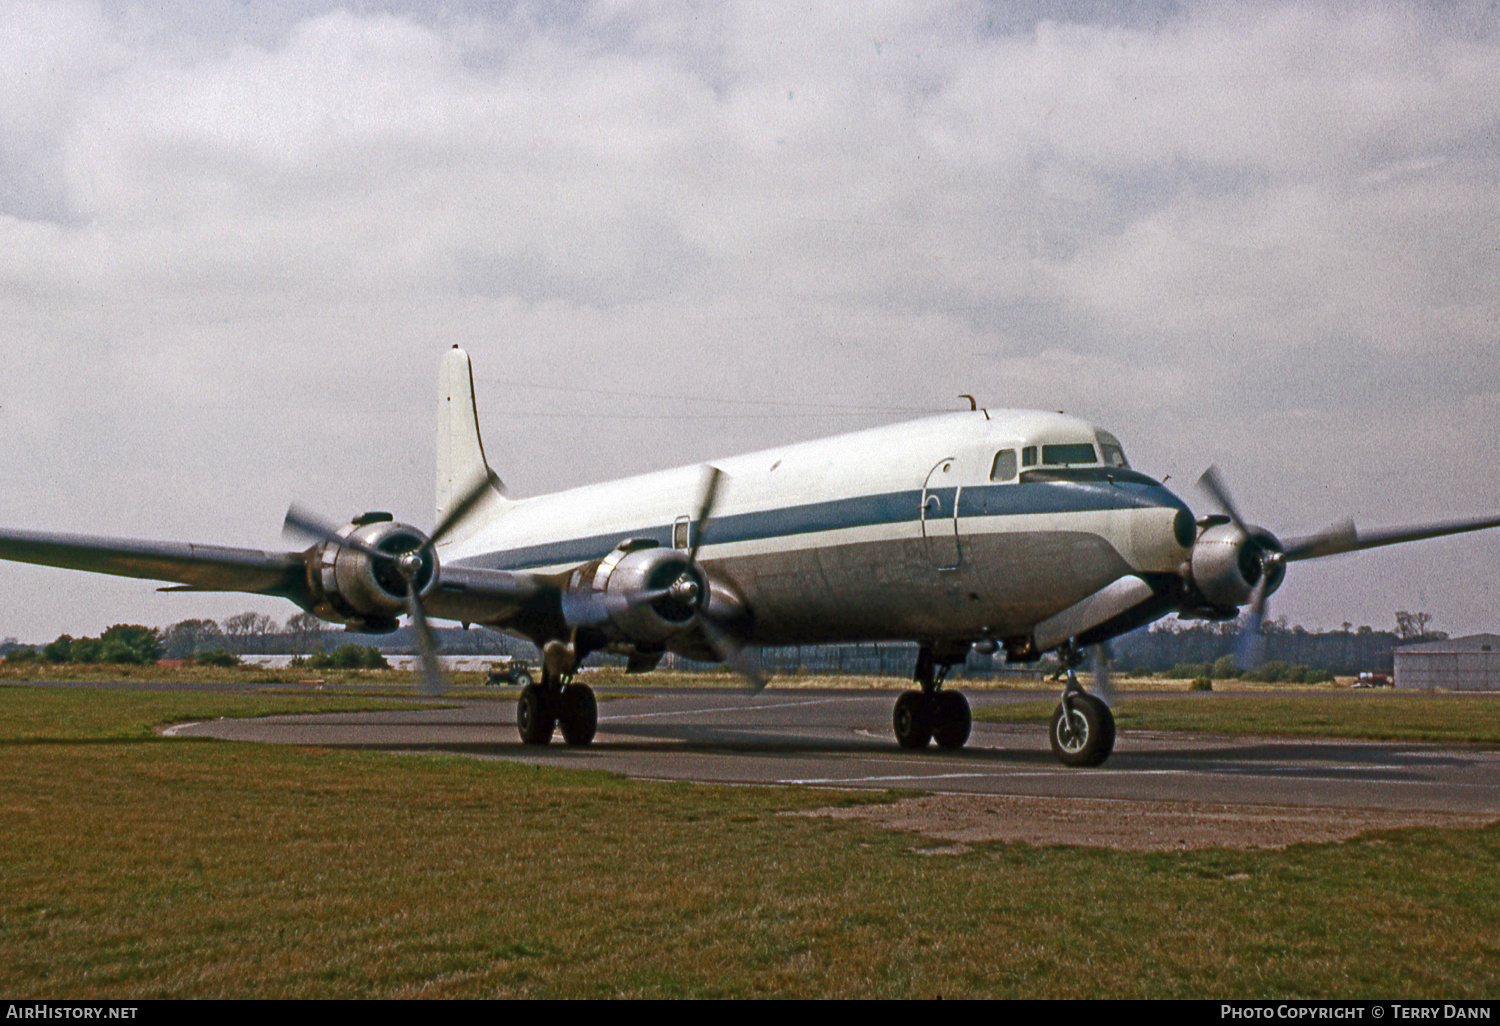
(951, 719)
(912, 720)
(535, 717)
(578, 714)
(1093, 735)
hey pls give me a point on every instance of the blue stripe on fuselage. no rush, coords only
(1024, 498)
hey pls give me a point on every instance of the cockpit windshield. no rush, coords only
(1060, 456)
(1068, 455)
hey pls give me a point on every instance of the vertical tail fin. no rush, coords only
(460, 452)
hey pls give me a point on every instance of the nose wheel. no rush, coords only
(1082, 732)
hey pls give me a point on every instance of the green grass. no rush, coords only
(245, 674)
(135, 866)
(52, 715)
(1373, 715)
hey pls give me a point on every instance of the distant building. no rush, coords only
(1454, 664)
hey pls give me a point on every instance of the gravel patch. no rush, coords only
(1131, 825)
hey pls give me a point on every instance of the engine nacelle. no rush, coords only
(640, 592)
(363, 591)
(644, 594)
(1227, 562)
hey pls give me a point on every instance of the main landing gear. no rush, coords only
(1083, 729)
(931, 714)
(558, 701)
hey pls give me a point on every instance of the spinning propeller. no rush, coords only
(407, 564)
(693, 587)
(1261, 557)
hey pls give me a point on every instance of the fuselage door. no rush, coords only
(939, 514)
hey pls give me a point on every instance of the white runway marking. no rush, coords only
(729, 708)
(871, 780)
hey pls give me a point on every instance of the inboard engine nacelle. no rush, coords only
(645, 594)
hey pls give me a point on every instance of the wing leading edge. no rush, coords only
(193, 567)
(480, 596)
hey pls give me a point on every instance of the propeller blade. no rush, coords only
(433, 681)
(1250, 647)
(1102, 658)
(731, 653)
(461, 510)
(705, 511)
(1214, 485)
(1327, 542)
(301, 522)
(1345, 538)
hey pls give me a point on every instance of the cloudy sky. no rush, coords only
(235, 240)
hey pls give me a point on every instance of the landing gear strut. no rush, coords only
(1082, 732)
(558, 701)
(931, 714)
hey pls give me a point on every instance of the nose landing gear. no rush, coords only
(1082, 732)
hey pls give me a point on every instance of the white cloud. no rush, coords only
(245, 237)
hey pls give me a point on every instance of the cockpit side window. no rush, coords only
(1004, 467)
(1109, 448)
(1028, 456)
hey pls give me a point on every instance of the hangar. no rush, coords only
(1454, 664)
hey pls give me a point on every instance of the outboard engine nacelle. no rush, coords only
(365, 592)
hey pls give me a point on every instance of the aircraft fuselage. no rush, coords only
(910, 531)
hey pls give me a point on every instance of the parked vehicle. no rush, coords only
(517, 672)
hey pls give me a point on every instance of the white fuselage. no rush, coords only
(917, 531)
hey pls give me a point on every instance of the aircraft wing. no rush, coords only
(1344, 538)
(193, 567)
(481, 596)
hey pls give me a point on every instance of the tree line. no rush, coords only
(1170, 644)
(1165, 647)
(250, 633)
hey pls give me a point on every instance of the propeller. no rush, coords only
(408, 566)
(1271, 556)
(683, 599)
(718, 636)
(1102, 655)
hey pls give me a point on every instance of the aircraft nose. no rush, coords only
(1184, 529)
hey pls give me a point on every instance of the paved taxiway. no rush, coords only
(834, 738)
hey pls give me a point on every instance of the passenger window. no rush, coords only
(680, 533)
(1004, 467)
(1028, 456)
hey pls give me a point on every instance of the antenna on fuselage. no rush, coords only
(974, 406)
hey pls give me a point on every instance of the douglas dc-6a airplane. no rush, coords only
(979, 530)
